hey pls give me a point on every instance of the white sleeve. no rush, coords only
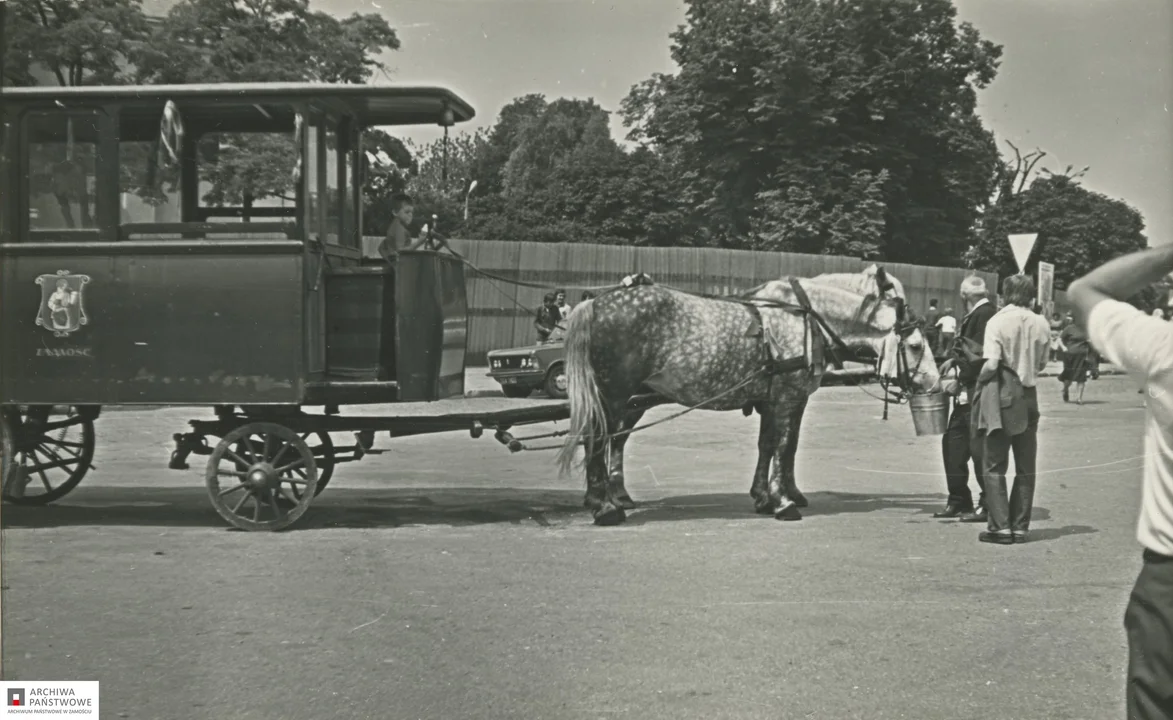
(1131, 339)
(992, 347)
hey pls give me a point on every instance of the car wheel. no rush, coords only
(516, 391)
(555, 385)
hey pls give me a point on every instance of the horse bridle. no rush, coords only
(906, 324)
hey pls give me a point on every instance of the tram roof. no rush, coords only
(370, 104)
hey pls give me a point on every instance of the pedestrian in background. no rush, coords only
(932, 331)
(1142, 346)
(1015, 351)
(946, 329)
(1076, 360)
(547, 318)
(564, 308)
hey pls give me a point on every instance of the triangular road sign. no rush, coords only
(1021, 245)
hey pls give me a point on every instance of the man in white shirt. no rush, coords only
(947, 328)
(1142, 345)
(1017, 338)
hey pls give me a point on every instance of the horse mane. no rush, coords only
(863, 282)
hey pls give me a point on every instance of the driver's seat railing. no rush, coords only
(189, 231)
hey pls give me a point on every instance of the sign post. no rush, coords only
(1021, 245)
(1046, 278)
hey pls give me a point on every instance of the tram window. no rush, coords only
(333, 199)
(246, 176)
(62, 169)
(312, 201)
(349, 189)
(148, 185)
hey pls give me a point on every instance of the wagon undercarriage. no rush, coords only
(269, 462)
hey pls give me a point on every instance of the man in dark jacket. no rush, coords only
(547, 318)
(957, 451)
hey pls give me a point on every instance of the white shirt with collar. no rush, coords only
(1142, 345)
(1021, 339)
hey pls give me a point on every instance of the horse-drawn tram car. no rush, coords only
(200, 245)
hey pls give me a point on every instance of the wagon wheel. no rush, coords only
(272, 455)
(43, 458)
(323, 456)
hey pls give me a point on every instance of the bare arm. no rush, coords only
(1119, 279)
(1120, 333)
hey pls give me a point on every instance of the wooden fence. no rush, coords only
(502, 314)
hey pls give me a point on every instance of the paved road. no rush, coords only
(447, 578)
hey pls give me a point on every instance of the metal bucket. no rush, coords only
(930, 413)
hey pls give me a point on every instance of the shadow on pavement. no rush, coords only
(732, 506)
(392, 508)
(1049, 534)
(341, 508)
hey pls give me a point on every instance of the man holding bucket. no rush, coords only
(1017, 338)
(956, 447)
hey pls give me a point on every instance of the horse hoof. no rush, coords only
(801, 501)
(625, 502)
(789, 512)
(609, 515)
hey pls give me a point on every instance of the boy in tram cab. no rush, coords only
(398, 233)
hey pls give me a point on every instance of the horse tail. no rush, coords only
(588, 421)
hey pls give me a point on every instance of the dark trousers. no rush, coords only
(957, 449)
(1014, 513)
(1149, 624)
(933, 338)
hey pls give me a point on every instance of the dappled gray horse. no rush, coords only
(764, 350)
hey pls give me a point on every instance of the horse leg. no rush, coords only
(603, 509)
(788, 453)
(767, 442)
(616, 487)
(787, 415)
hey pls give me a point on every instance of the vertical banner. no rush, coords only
(1046, 281)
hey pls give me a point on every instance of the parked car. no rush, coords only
(535, 367)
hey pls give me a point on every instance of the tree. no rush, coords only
(262, 41)
(797, 119)
(1078, 229)
(566, 131)
(565, 179)
(79, 42)
(259, 41)
(489, 165)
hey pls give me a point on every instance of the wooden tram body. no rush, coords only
(258, 310)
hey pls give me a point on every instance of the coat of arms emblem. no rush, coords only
(62, 311)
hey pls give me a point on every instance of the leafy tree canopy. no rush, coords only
(78, 42)
(794, 121)
(1078, 230)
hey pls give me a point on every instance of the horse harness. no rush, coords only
(826, 338)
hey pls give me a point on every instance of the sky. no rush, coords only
(1088, 81)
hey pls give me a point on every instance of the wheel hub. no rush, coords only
(262, 476)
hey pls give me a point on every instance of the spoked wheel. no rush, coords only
(261, 495)
(44, 456)
(324, 457)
